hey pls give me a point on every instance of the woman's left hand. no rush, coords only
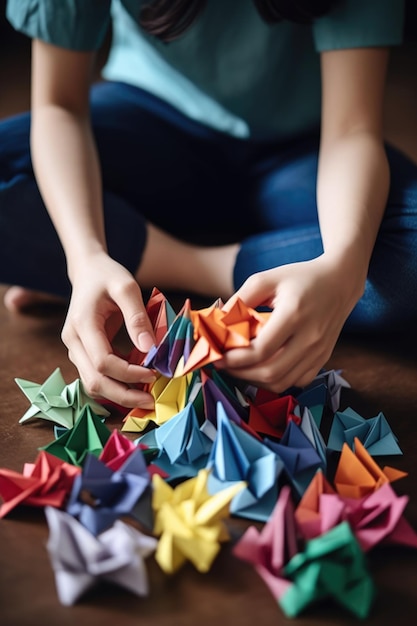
(310, 303)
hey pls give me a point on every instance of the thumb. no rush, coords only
(254, 292)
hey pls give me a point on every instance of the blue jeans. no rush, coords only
(202, 186)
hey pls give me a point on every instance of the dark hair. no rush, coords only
(169, 19)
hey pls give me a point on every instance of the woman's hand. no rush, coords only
(310, 303)
(104, 296)
(312, 300)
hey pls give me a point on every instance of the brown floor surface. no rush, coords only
(383, 377)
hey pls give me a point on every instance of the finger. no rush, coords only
(257, 290)
(99, 385)
(271, 340)
(301, 374)
(295, 366)
(96, 345)
(136, 319)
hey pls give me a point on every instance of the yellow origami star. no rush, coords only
(190, 522)
(170, 397)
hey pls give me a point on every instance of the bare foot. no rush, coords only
(169, 263)
(19, 300)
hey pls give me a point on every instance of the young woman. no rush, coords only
(233, 148)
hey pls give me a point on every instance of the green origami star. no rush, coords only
(88, 436)
(56, 401)
(333, 566)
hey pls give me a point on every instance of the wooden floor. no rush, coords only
(383, 377)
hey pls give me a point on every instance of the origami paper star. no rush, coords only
(57, 402)
(313, 520)
(88, 436)
(184, 448)
(214, 392)
(374, 433)
(116, 450)
(378, 519)
(357, 474)
(190, 522)
(174, 349)
(299, 456)
(48, 481)
(80, 560)
(197, 338)
(217, 330)
(170, 397)
(210, 337)
(100, 496)
(333, 567)
(309, 427)
(270, 413)
(271, 548)
(315, 399)
(374, 519)
(334, 383)
(161, 315)
(237, 456)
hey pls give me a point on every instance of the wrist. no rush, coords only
(349, 270)
(84, 257)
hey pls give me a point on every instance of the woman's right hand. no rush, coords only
(104, 296)
(104, 293)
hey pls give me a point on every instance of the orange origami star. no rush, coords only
(357, 474)
(217, 330)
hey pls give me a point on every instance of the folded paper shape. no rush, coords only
(237, 456)
(197, 338)
(298, 455)
(190, 522)
(357, 474)
(270, 549)
(334, 383)
(269, 413)
(170, 396)
(217, 330)
(116, 450)
(331, 567)
(375, 519)
(215, 391)
(100, 496)
(312, 516)
(46, 482)
(315, 399)
(183, 448)
(311, 430)
(57, 402)
(374, 433)
(378, 519)
(175, 347)
(88, 436)
(161, 315)
(80, 560)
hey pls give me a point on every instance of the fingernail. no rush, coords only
(145, 341)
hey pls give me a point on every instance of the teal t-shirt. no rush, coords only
(231, 70)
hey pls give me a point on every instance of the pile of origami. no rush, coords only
(213, 446)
